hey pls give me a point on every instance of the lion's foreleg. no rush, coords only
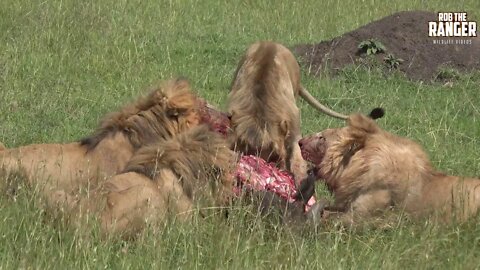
(295, 162)
(364, 207)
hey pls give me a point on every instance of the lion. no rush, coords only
(265, 120)
(195, 169)
(173, 176)
(370, 171)
(169, 109)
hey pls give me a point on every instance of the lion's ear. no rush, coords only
(360, 126)
(362, 123)
(284, 128)
(231, 116)
(358, 129)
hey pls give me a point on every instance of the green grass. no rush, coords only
(63, 64)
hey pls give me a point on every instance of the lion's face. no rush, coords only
(320, 150)
(315, 146)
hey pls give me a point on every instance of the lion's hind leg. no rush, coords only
(135, 201)
(132, 201)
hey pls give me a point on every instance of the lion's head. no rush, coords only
(331, 149)
(169, 109)
(199, 157)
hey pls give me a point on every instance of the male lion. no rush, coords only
(194, 168)
(171, 176)
(168, 110)
(264, 117)
(370, 170)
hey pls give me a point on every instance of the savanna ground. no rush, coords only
(63, 64)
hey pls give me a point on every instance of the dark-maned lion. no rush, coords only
(370, 170)
(264, 117)
(169, 109)
(172, 176)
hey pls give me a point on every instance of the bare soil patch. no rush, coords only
(405, 36)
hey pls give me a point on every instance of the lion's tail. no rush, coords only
(2, 147)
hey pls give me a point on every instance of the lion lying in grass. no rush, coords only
(169, 177)
(370, 170)
(168, 110)
(194, 169)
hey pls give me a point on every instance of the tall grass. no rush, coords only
(65, 63)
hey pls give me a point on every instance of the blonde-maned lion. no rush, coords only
(370, 170)
(168, 110)
(264, 117)
(173, 176)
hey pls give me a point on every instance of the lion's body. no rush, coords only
(68, 166)
(168, 110)
(370, 170)
(264, 117)
(174, 176)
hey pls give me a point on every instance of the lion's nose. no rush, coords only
(300, 143)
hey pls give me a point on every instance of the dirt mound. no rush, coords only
(405, 36)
